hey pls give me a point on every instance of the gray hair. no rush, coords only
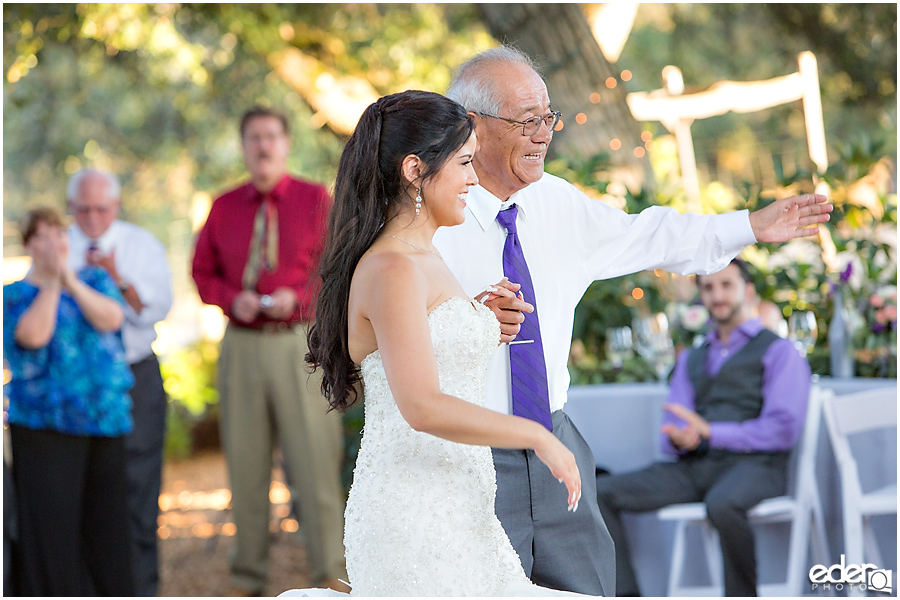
(73, 189)
(472, 85)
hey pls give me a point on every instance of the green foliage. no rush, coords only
(154, 92)
(353, 425)
(179, 443)
(189, 376)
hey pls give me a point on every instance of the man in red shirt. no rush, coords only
(256, 258)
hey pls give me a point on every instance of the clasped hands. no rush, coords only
(246, 305)
(50, 258)
(107, 261)
(508, 304)
(688, 437)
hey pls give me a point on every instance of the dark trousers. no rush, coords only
(73, 517)
(10, 533)
(143, 464)
(729, 484)
(559, 549)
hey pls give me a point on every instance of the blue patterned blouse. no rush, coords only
(78, 383)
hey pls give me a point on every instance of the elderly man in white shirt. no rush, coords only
(568, 241)
(137, 262)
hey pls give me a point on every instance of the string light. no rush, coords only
(637, 293)
(615, 144)
(646, 136)
(626, 75)
(595, 98)
(639, 152)
(581, 118)
(611, 82)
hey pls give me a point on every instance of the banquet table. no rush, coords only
(621, 424)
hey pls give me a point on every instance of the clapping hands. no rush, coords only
(687, 437)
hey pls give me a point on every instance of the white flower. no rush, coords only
(802, 252)
(695, 317)
(888, 292)
(886, 233)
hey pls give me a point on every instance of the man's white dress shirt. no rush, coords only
(141, 261)
(570, 241)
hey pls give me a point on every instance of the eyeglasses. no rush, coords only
(257, 139)
(86, 210)
(531, 126)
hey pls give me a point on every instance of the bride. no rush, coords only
(420, 516)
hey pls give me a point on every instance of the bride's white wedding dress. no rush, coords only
(420, 517)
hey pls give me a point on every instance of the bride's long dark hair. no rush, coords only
(369, 188)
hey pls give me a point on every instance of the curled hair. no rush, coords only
(28, 224)
(473, 83)
(369, 188)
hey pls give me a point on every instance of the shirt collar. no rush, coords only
(748, 329)
(485, 206)
(277, 193)
(104, 243)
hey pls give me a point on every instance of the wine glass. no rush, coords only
(652, 341)
(618, 345)
(802, 330)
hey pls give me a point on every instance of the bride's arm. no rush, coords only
(397, 305)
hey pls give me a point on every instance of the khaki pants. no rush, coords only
(267, 393)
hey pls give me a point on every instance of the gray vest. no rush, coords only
(735, 393)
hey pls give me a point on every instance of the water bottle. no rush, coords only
(842, 364)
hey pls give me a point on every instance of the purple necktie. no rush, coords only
(530, 395)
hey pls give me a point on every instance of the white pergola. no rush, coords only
(676, 110)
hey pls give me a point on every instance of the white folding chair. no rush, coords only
(802, 508)
(845, 416)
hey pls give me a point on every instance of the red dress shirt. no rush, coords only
(224, 242)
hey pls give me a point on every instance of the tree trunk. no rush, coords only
(559, 39)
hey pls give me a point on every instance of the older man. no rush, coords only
(256, 258)
(545, 234)
(137, 263)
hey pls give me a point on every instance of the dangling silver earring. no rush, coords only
(418, 201)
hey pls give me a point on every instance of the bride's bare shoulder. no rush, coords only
(386, 268)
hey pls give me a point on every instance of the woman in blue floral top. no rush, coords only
(69, 411)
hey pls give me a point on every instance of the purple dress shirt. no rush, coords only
(785, 390)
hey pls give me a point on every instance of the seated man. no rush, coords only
(736, 407)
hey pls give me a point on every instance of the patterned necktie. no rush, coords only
(263, 253)
(530, 395)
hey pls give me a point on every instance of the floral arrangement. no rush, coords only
(688, 323)
(875, 346)
(856, 253)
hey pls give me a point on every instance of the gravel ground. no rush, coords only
(196, 532)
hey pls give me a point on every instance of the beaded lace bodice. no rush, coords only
(420, 518)
(465, 335)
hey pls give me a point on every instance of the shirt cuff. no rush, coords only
(736, 232)
(727, 436)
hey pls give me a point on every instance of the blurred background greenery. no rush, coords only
(154, 92)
